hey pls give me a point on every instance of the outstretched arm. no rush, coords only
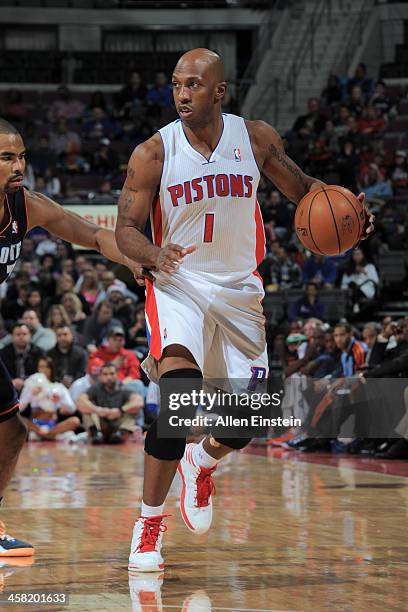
(44, 212)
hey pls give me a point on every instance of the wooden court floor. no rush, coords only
(287, 535)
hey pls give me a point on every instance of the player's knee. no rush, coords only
(234, 443)
(165, 449)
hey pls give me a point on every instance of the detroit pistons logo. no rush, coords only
(210, 186)
(347, 225)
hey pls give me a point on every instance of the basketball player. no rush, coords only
(198, 179)
(20, 211)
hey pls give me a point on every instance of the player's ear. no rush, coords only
(220, 91)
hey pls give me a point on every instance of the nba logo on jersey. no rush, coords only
(237, 154)
(14, 227)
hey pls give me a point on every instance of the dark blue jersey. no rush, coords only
(12, 232)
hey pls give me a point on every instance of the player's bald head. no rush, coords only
(203, 62)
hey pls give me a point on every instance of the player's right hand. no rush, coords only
(171, 256)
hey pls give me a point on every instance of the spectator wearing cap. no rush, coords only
(307, 306)
(98, 325)
(109, 408)
(108, 278)
(123, 309)
(81, 385)
(128, 365)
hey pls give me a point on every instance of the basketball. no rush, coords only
(329, 220)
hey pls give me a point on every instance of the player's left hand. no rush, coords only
(369, 218)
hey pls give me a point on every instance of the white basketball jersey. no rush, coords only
(211, 203)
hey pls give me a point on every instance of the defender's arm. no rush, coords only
(44, 212)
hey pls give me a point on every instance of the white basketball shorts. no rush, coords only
(222, 326)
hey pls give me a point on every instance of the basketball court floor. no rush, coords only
(289, 533)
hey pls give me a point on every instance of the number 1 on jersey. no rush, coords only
(208, 227)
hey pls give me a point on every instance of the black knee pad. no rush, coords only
(235, 443)
(166, 448)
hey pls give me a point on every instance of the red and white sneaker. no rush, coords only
(145, 592)
(196, 493)
(145, 550)
(197, 602)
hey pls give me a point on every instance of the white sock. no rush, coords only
(151, 510)
(202, 458)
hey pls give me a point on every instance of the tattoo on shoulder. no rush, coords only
(130, 171)
(281, 158)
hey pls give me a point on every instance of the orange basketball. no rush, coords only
(329, 220)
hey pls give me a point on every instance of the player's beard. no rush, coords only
(11, 187)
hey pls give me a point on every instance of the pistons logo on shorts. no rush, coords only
(258, 376)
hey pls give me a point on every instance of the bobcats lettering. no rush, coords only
(9, 254)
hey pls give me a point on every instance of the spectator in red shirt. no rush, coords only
(371, 121)
(127, 364)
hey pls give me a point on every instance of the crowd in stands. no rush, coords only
(73, 334)
(87, 135)
(329, 366)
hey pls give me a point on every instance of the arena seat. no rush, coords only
(292, 295)
(392, 267)
(86, 182)
(274, 306)
(335, 303)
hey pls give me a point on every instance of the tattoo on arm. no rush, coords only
(127, 198)
(283, 160)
